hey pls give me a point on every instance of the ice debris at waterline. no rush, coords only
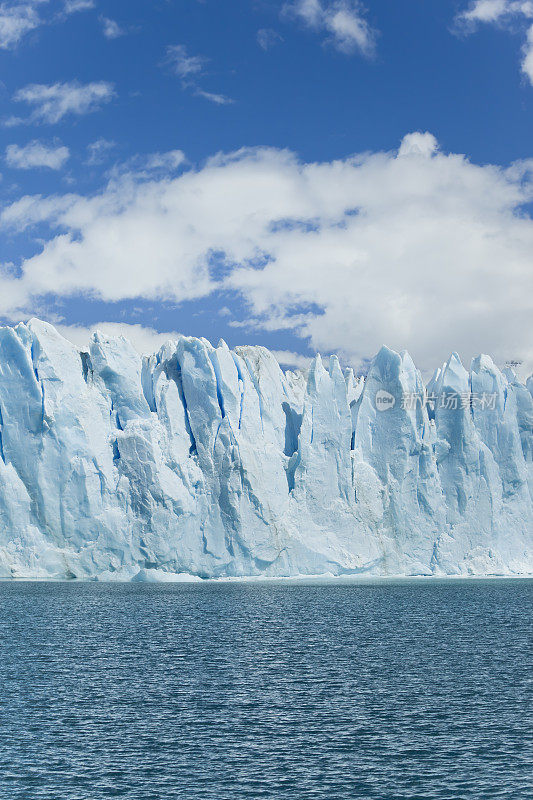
(203, 461)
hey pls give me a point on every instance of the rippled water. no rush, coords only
(398, 690)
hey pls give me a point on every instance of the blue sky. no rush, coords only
(236, 169)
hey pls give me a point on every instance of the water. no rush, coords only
(218, 692)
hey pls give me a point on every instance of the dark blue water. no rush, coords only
(406, 690)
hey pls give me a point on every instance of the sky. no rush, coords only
(309, 175)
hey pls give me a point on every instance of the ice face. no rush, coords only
(203, 461)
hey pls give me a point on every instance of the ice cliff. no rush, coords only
(210, 462)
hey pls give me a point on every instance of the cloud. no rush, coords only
(170, 160)
(343, 22)
(99, 151)
(146, 166)
(111, 29)
(505, 14)
(31, 210)
(484, 11)
(182, 64)
(415, 248)
(527, 61)
(36, 154)
(146, 340)
(74, 6)
(418, 144)
(218, 99)
(310, 11)
(286, 358)
(51, 103)
(268, 38)
(17, 19)
(189, 69)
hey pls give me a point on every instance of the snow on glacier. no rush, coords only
(202, 461)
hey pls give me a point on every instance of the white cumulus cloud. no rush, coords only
(99, 151)
(52, 102)
(36, 154)
(74, 6)
(503, 13)
(485, 11)
(17, 19)
(527, 60)
(418, 144)
(111, 29)
(416, 248)
(183, 64)
(292, 360)
(342, 21)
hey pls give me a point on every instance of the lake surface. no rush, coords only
(228, 691)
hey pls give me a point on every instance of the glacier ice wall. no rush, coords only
(212, 462)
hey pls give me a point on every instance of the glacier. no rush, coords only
(205, 462)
